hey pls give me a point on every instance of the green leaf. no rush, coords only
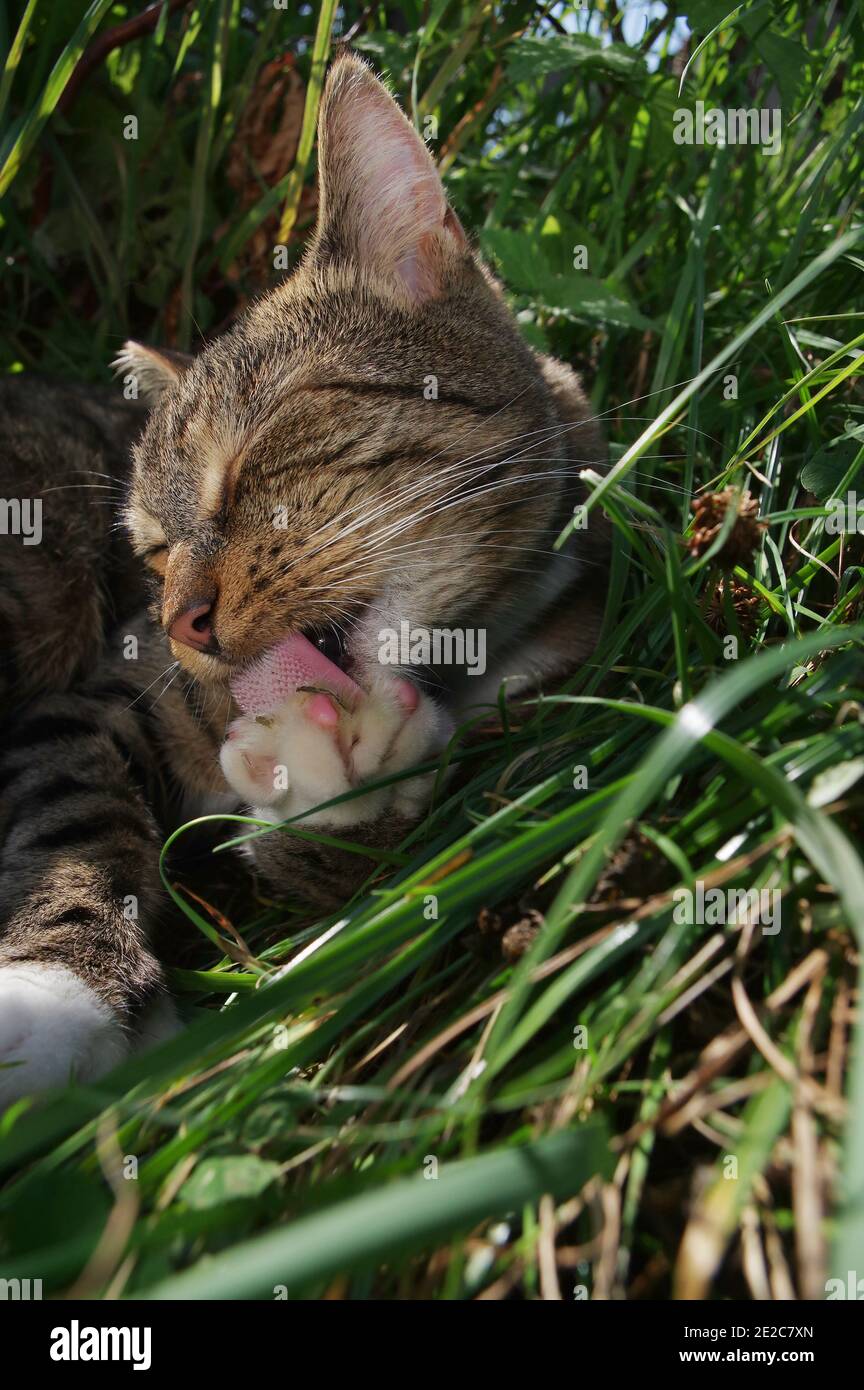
(410, 1214)
(834, 782)
(703, 15)
(824, 472)
(788, 62)
(534, 57)
(216, 1181)
(525, 267)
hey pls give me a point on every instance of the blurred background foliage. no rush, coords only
(551, 123)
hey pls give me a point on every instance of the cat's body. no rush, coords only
(373, 446)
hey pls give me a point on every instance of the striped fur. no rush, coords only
(372, 443)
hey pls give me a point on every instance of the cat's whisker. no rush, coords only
(441, 504)
(472, 430)
(414, 561)
(170, 681)
(170, 667)
(646, 480)
(388, 499)
(429, 485)
(97, 473)
(437, 541)
(442, 545)
(382, 534)
(682, 425)
(399, 492)
(65, 487)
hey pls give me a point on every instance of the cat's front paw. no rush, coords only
(316, 746)
(53, 1029)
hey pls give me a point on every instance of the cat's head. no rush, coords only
(373, 443)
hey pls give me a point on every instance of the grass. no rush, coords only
(392, 1103)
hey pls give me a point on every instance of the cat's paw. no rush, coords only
(315, 747)
(53, 1028)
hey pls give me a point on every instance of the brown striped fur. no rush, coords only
(313, 410)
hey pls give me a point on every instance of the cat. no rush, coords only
(373, 444)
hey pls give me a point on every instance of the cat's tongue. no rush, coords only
(294, 662)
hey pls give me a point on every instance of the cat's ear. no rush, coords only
(155, 370)
(382, 204)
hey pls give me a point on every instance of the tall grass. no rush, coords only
(624, 1104)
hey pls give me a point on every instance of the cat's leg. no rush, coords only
(79, 891)
(313, 749)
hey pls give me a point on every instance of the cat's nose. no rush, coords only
(194, 628)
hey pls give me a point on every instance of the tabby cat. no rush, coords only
(372, 445)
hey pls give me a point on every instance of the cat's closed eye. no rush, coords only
(148, 536)
(157, 558)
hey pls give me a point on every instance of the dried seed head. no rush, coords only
(489, 922)
(709, 513)
(518, 938)
(745, 605)
(636, 869)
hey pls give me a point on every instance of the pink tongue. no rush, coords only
(294, 662)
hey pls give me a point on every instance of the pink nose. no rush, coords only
(193, 628)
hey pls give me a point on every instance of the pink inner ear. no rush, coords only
(394, 195)
(416, 272)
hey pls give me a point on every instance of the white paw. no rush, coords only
(315, 746)
(53, 1028)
